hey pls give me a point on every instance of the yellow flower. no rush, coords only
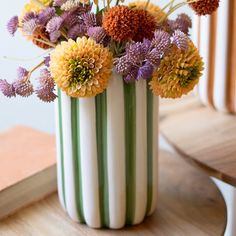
(81, 68)
(178, 72)
(152, 9)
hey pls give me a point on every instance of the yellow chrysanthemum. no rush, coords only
(178, 72)
(81, 68)
(152, 9)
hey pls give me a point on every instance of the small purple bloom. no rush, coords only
(23, 87)
(54, 36)
(54, 24)
(12, 25)
(30, 26)
(122, 65)
(97, 33)
(7, 89)
(46, 96)
(183, 23)
(22, 73)
(89, 19)
(29, 16)
(135, 52)
(180, 39)
(145, 71)
(132, 75)
(154, 57)
(47, 61)
(46, 14)
(76, 31)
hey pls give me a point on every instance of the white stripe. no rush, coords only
(221, 57)
(116, 152)
(68, 157)
(89, 165)
(58, 148)
(141, 152)
(155, 153)
(204, 51)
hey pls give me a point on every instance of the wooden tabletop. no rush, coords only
(188, 204)
(202, 136)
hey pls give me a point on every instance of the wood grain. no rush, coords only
(203, 136)
(188, 204)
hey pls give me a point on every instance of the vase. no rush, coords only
(107, 150)
(216, 39)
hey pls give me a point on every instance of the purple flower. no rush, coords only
(145, 71)
(77, 30)
(23, 87)
(54, 24)
(70, 18)
(47, 61)
(154, 57)
(54, 36)
(97, 33)
(58, 3)
(161, 41)
(46, 87)
(183, 23)
(90, 19)
(30, 26)
(135, 52)
(7, 89)
(29, 16)
(46, 14)
(22, 73)
(122, 65)
(132, 75)
(12, 25)
(180, 39)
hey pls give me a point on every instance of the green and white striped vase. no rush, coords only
(107, 150)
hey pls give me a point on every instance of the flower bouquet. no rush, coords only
(110, 62)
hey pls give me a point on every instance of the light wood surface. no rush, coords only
(202, 136)
(188, 204)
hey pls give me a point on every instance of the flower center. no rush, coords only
(81, 71)
(192, 75)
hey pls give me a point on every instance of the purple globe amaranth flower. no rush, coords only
(97, 33)
(12, 25)
(46, 14)
(77, 30)
(29, 26)
(45, 90)
(135, 52)
(183, 22)
(54, 24)
(89, 19)
(71, 18)
(122, 65)
(7, 89)
(29, 16)
(180, 39)
(22, 73)
(132, 75)
(54, 36)
(154, 57)
(23, 87)
(47, 61)
(145, 71)
(161, 41)
(58, 3)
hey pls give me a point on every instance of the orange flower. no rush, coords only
(205, 7)
(121, 23)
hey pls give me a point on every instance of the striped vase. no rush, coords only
(216, 39)
(107, 150)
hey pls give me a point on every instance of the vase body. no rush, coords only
(107, 150)
(216, 39)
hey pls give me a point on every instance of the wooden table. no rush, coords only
(189, 203)
(206, 139)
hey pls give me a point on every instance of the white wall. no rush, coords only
(26, 111)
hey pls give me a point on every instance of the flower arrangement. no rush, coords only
(86, 41)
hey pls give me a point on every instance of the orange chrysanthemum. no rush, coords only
(81, 68)
(151, 8)
(205, 7)
(178, 72)
(121, 23)
(147, 25)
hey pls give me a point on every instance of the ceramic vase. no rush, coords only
(107, 150)
(216, 39)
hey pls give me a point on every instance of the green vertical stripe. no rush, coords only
(149, 148)
(101, 136)
(61, 145)
(130, 148)
(76, 157)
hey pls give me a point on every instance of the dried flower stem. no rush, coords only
(34, 69)
(45, 42)
(64, 34)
